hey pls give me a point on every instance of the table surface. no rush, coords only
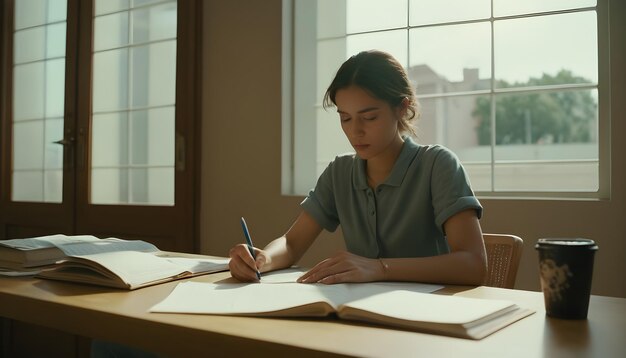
(123, 317)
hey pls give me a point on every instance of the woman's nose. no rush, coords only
(357, 127)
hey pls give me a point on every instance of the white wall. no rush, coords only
(241, 153)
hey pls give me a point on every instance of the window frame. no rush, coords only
(293, 153)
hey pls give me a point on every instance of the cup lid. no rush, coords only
(566, 242)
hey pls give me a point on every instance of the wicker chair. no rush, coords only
(503, 257)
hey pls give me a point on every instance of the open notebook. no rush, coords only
(406, 306)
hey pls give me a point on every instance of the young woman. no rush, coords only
(407, 211)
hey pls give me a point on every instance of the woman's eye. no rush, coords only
(369, 118)
(344, 119)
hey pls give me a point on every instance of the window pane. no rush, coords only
(368, 15)
(544, 138)
(451, 58)
(455, 122)
(331, 18)
(438, 11)
(528, 49)
(516, 7)
(393, 42)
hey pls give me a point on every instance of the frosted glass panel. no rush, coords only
(110, 140)
(38, 99)
(53, 185)
(159, 178)
(28, 186)
(109, 186)
(110, 31)
(154, 74)
(53, 131)
(152, 138)
(29, 13)
(154, 23)
(55, 88)
(134, 94)
(29, 45)
(108, 6)
(28, 146)
(28, 91)
(110, 80)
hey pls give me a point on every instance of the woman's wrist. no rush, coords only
(384, 268)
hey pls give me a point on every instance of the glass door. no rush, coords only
(98, 119)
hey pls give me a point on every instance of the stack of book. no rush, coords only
(126, 264)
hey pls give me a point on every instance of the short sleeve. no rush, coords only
(451, 189)
(320, 203)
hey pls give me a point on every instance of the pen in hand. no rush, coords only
(246, 233)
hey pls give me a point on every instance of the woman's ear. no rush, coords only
(402, 108)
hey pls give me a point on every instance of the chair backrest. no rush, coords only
(503, 257)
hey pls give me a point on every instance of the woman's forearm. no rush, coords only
(457, 268)
(278, 255)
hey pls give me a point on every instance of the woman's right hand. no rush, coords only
(242, 266)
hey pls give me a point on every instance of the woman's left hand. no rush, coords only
(344, 267)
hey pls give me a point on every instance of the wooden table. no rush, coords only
(123, 317)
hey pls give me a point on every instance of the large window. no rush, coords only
(512, 87)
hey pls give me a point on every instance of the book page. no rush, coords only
(419, 307)
(198, 265)
(244, 298)
(280, 299)
(105, 245)
(134, 268)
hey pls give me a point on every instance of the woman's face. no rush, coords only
(369, 123)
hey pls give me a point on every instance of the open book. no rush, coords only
(397, 306)
(133, 269)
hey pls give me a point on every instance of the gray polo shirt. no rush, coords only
(403, 216)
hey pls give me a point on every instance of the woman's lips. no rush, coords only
(361, 146)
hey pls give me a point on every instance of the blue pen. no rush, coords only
(246, 233)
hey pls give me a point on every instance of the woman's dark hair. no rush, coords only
(381, 75)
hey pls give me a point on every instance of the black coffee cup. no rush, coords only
(566, 270)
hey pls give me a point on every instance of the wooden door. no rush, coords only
(57, 174)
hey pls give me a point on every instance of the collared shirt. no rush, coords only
(404, 215)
